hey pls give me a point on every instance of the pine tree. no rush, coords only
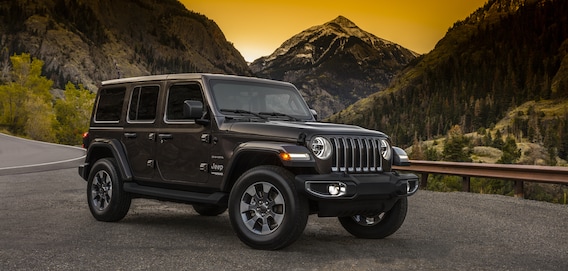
(417, 152)
(498, 141)
(457, 147)
(510, 152)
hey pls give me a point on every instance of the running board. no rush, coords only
(217, 198)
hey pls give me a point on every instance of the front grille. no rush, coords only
(356, 154)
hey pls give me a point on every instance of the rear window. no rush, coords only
(143, 104)
(109, 105)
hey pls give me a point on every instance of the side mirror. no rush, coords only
(192, 109)
(314, 113)
(400, 157)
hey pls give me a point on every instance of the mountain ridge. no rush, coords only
(334, 64)
(90, 41)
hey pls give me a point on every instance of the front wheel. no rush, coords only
(378, 226)
(107, 200)
(265, 210)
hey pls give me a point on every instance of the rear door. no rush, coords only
(183, 148)
(140, 130)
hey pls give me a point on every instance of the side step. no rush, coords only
(217, 198)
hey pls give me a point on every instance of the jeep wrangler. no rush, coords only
(248, 145)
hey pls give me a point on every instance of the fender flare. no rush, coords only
(270, 148)
(118, 152)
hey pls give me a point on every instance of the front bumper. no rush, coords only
(340, 194)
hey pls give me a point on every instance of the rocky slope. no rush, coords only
(93, 40)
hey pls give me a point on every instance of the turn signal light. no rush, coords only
(286, 156)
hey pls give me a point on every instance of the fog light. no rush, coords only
(337, 189)
(411, 187)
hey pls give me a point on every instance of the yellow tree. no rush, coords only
(27, 98)
(73, 113)
(41, 120)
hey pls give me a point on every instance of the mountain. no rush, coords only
(505, 54)
(93, 40)
(334, 64)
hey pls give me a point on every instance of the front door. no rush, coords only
(183, 153)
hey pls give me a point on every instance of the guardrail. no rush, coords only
(517, 173)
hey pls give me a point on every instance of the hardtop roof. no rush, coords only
(182, 76)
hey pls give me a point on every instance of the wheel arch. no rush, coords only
(252, 154)
(111, 148)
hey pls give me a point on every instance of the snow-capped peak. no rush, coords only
(340, 27)
(343, 22)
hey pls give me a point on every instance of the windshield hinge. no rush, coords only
(302, 139)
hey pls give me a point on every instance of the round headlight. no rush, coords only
(386, 150)
(321, 147)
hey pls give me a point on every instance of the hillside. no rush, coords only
(93, 40)
(505, 54)
(335, 64)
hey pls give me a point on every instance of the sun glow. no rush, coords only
(257, 28)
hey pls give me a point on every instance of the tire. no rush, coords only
(379, 226)
(106, 198)
(265, 209)
(208, 209)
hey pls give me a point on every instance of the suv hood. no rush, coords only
(292, 129)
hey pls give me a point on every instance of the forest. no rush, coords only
(501, 76)
(477, 74)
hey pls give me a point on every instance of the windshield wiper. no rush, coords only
(240, 111)
(278, 114)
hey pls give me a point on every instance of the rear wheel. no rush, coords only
(106, 198)
(265, 210)
(377, 226)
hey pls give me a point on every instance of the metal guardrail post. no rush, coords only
(466, 181)
(519, 189)
(424, 180)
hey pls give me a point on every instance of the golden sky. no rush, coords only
(258, 27)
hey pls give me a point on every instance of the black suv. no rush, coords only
(247, 144)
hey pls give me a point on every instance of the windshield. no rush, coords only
(264, 100)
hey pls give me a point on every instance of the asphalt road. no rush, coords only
(19, 155)
(45, 224)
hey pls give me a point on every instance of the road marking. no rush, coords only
(44, 164)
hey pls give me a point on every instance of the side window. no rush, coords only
(143, 103)
(109, 105)
(176, 97)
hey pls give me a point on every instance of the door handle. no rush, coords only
(164, 137)
(130, 135)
